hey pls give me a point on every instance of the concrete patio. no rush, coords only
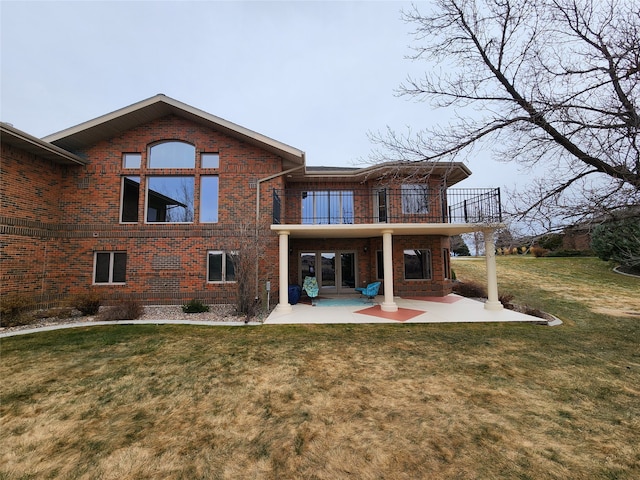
(450, 309)
(344, 309)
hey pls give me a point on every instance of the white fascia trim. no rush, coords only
(42, 144)
(160, 98)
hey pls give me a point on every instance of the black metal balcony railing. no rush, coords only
(408, 204)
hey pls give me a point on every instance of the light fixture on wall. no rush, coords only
(365, 249)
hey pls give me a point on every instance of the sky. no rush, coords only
(319, 76)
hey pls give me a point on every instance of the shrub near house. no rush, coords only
(619, 241)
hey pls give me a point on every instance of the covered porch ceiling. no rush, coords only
(370, 230)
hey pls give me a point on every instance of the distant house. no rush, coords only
(152, 202)
(578, 236)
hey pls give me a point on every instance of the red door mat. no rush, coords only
(402, 315)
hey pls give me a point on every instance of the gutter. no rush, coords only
(39, 144)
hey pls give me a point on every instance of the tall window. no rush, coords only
(208, 199)
(221, 266)
(415, 199)
(327, 207)
(417, 264)
(380, 205)
(130, 199)
(380, 264)
(170, 199)
(110, 267)
(446, 257)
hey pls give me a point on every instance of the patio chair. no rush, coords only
(370, 291)
(310, 286)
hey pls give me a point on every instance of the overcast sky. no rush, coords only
(318, 76)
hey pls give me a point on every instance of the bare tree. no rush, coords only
(551, 84)
(246, 264)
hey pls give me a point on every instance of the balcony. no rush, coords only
(408, 204)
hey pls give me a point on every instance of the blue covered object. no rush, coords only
(370, 291)
(310, 286)
(294, 294)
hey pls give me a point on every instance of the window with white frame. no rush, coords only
(110, 267)
(131, 160)
(327, 207)
(209, 160)
(417, 264)
(221, 266)
(170, 198)
(415, 199)
(380, 204)
(209, 191)
(172, 154)
(130, 199)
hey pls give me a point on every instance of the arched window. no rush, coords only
(172, 154)
(170, 196)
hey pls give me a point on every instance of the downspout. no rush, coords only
(258, 182)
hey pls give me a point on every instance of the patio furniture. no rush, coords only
(370, 291)
(294, 294)
(310, 286)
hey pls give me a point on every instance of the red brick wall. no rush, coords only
(80, 207)
(438, 285)
(30, 187)
(30, 199)
(54, 218)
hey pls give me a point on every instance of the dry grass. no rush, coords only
(325, 402)
(588, 281)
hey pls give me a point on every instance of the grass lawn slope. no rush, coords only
(464, 401)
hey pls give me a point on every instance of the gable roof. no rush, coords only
(114, 123)
(22, 140)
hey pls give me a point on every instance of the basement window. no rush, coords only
(221, 266)
(110, 268)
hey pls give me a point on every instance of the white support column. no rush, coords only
(387, 254)
(283, 304)
(492, 277)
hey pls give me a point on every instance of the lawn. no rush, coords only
(461, 401)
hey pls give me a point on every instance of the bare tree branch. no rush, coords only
(557, 83)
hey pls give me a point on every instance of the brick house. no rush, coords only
(156, 200)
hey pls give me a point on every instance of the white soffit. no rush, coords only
(114, 123)
(370, 230)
